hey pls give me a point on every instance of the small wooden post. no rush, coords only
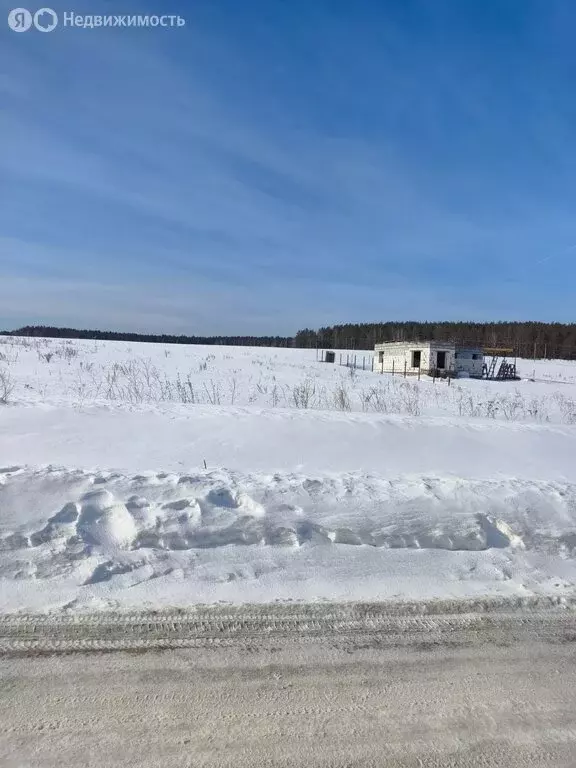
(392, 366)
(404, 367)
(354, 362)
(347, 361)
(363, 363)
(382, 364)
(340, 358)
(419, 366)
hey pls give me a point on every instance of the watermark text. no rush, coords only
(46, 20)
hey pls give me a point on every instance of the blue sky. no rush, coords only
(277, 164)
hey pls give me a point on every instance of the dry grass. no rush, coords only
(267, 382)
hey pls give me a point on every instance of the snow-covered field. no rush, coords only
(145, 475)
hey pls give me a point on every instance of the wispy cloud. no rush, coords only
(379, 174)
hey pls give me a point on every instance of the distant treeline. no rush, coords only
(530, 339)
(74, 333)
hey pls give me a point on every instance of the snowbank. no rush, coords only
(80, 539)
(117, 499)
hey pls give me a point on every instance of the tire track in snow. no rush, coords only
(359, 625)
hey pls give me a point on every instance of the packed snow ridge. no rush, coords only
(228, 534)
(205, 511)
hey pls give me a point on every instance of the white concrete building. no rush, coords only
(428, 356)
(469, 361)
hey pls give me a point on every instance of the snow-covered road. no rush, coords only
(314, 703)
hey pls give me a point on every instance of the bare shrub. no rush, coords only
(491, 408)
(15, 341)
(7, 386)
(303, 393)
(410, 398)
(134, 384)
(342, 398)
(567, 407)
(67, 352)
(323, 399)
(494, 405)
(512, 407)
(469, 406)
(213, 392)
(204, 364)
(274, 396)
(185, 390)
(375, 399)
(232, 387)
(537, 410)
(82, 391)
(9, 355)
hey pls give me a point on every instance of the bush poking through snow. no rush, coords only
(67, 352)
(303, 394)
(342, 398)
(6, 386)
(213, 392)
(375, 399)
(9, 355)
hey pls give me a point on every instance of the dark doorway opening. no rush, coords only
(441, 360)
(416, 358)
